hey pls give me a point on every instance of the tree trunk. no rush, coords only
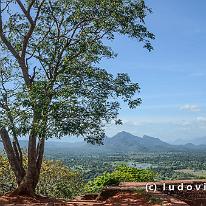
(28, 185)
(26, 181)
(12, 156)
(26, 188)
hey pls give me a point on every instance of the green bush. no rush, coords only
(7, 179)
(120, 174)
(56, 180)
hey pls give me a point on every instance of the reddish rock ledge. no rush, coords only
(128, 193)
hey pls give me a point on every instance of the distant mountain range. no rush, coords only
(195, 141)
(122, 142)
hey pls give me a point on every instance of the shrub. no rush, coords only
(7, 179)
(120, 174)
(56, 179)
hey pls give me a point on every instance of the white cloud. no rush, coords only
(190, 107)
(201, 119)
(197, 74)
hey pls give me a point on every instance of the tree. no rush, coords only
(50, 81)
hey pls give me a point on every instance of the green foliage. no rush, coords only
(132, 174)
(56, 180)
(120, 174)
(7, 179)
(67, 88)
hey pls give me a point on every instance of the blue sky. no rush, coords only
(172, 77)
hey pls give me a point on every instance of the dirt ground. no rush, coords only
(119, 199)
(122, 195)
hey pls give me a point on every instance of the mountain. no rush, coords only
(195, 141)
(126, 142)
(122, 142)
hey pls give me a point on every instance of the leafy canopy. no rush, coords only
(50, 69)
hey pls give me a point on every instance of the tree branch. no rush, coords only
(14, 52)
(11, 156)
(5, 40)
(26, 13)
(5, 106)
(32, 26)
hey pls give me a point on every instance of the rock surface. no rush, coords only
(131, 193)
